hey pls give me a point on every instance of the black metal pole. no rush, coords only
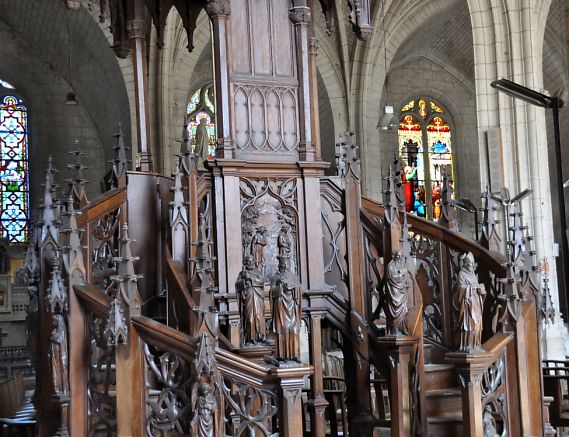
(562, 216)
(476, 223)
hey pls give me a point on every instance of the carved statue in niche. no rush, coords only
(203, 421)
(250, 285)
(285, 296)
(258, 244)
(468, 302)
(201, 149)
(397, 286)
(284, 241)
(58, 355)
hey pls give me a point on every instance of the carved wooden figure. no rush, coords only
(469, 301)
(258, 244)
(397, 287)
(284, 241)
(203, 421)
(58, 355)
(250, 285)
(285, 296)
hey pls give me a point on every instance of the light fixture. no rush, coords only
(521, 92)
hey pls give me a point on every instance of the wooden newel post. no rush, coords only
(399, 351)
(317, 404)
(470, 367)
(291, 381)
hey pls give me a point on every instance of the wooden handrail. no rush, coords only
(456, 240)
(93, 300)
(104, 204)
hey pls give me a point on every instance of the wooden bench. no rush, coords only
(17, 413)
(556, 385)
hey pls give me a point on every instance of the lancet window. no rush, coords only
(201, 106)
(425, 151)
(14, 182)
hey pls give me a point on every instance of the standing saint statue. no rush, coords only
(285, 296)
(397, 285)
(201, 149)
(58, 355)
(250, 285)
(284, 241)
(469, 303)
(258, 244)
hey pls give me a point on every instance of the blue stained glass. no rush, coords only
(14, 187)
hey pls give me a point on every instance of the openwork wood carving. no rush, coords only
(169, 400)
(494, 402)
(249, 409)
(105, 244)
(102, 417)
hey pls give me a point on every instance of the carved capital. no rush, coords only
(300, 15)
(136, 28)
(218, 7)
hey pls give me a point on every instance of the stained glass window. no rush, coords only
(201, 106)
(425, 149)
(14, 170)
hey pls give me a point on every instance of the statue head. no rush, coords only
(249, 262)
(397, 256)
(203, 121)
(204, 389)
(468, 262)
(261, 229)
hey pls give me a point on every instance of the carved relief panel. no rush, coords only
(269, 222)
(334, 237)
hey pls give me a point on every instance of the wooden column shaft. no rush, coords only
(317, 404)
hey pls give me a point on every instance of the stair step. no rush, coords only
(440, 376)
(445, 402)
(445, 426)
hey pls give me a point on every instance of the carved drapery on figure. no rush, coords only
(285, 296)
(258, 244)
(250, 286)
(469, 298)
(58, 355)
(204, 412)
(397, 286)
